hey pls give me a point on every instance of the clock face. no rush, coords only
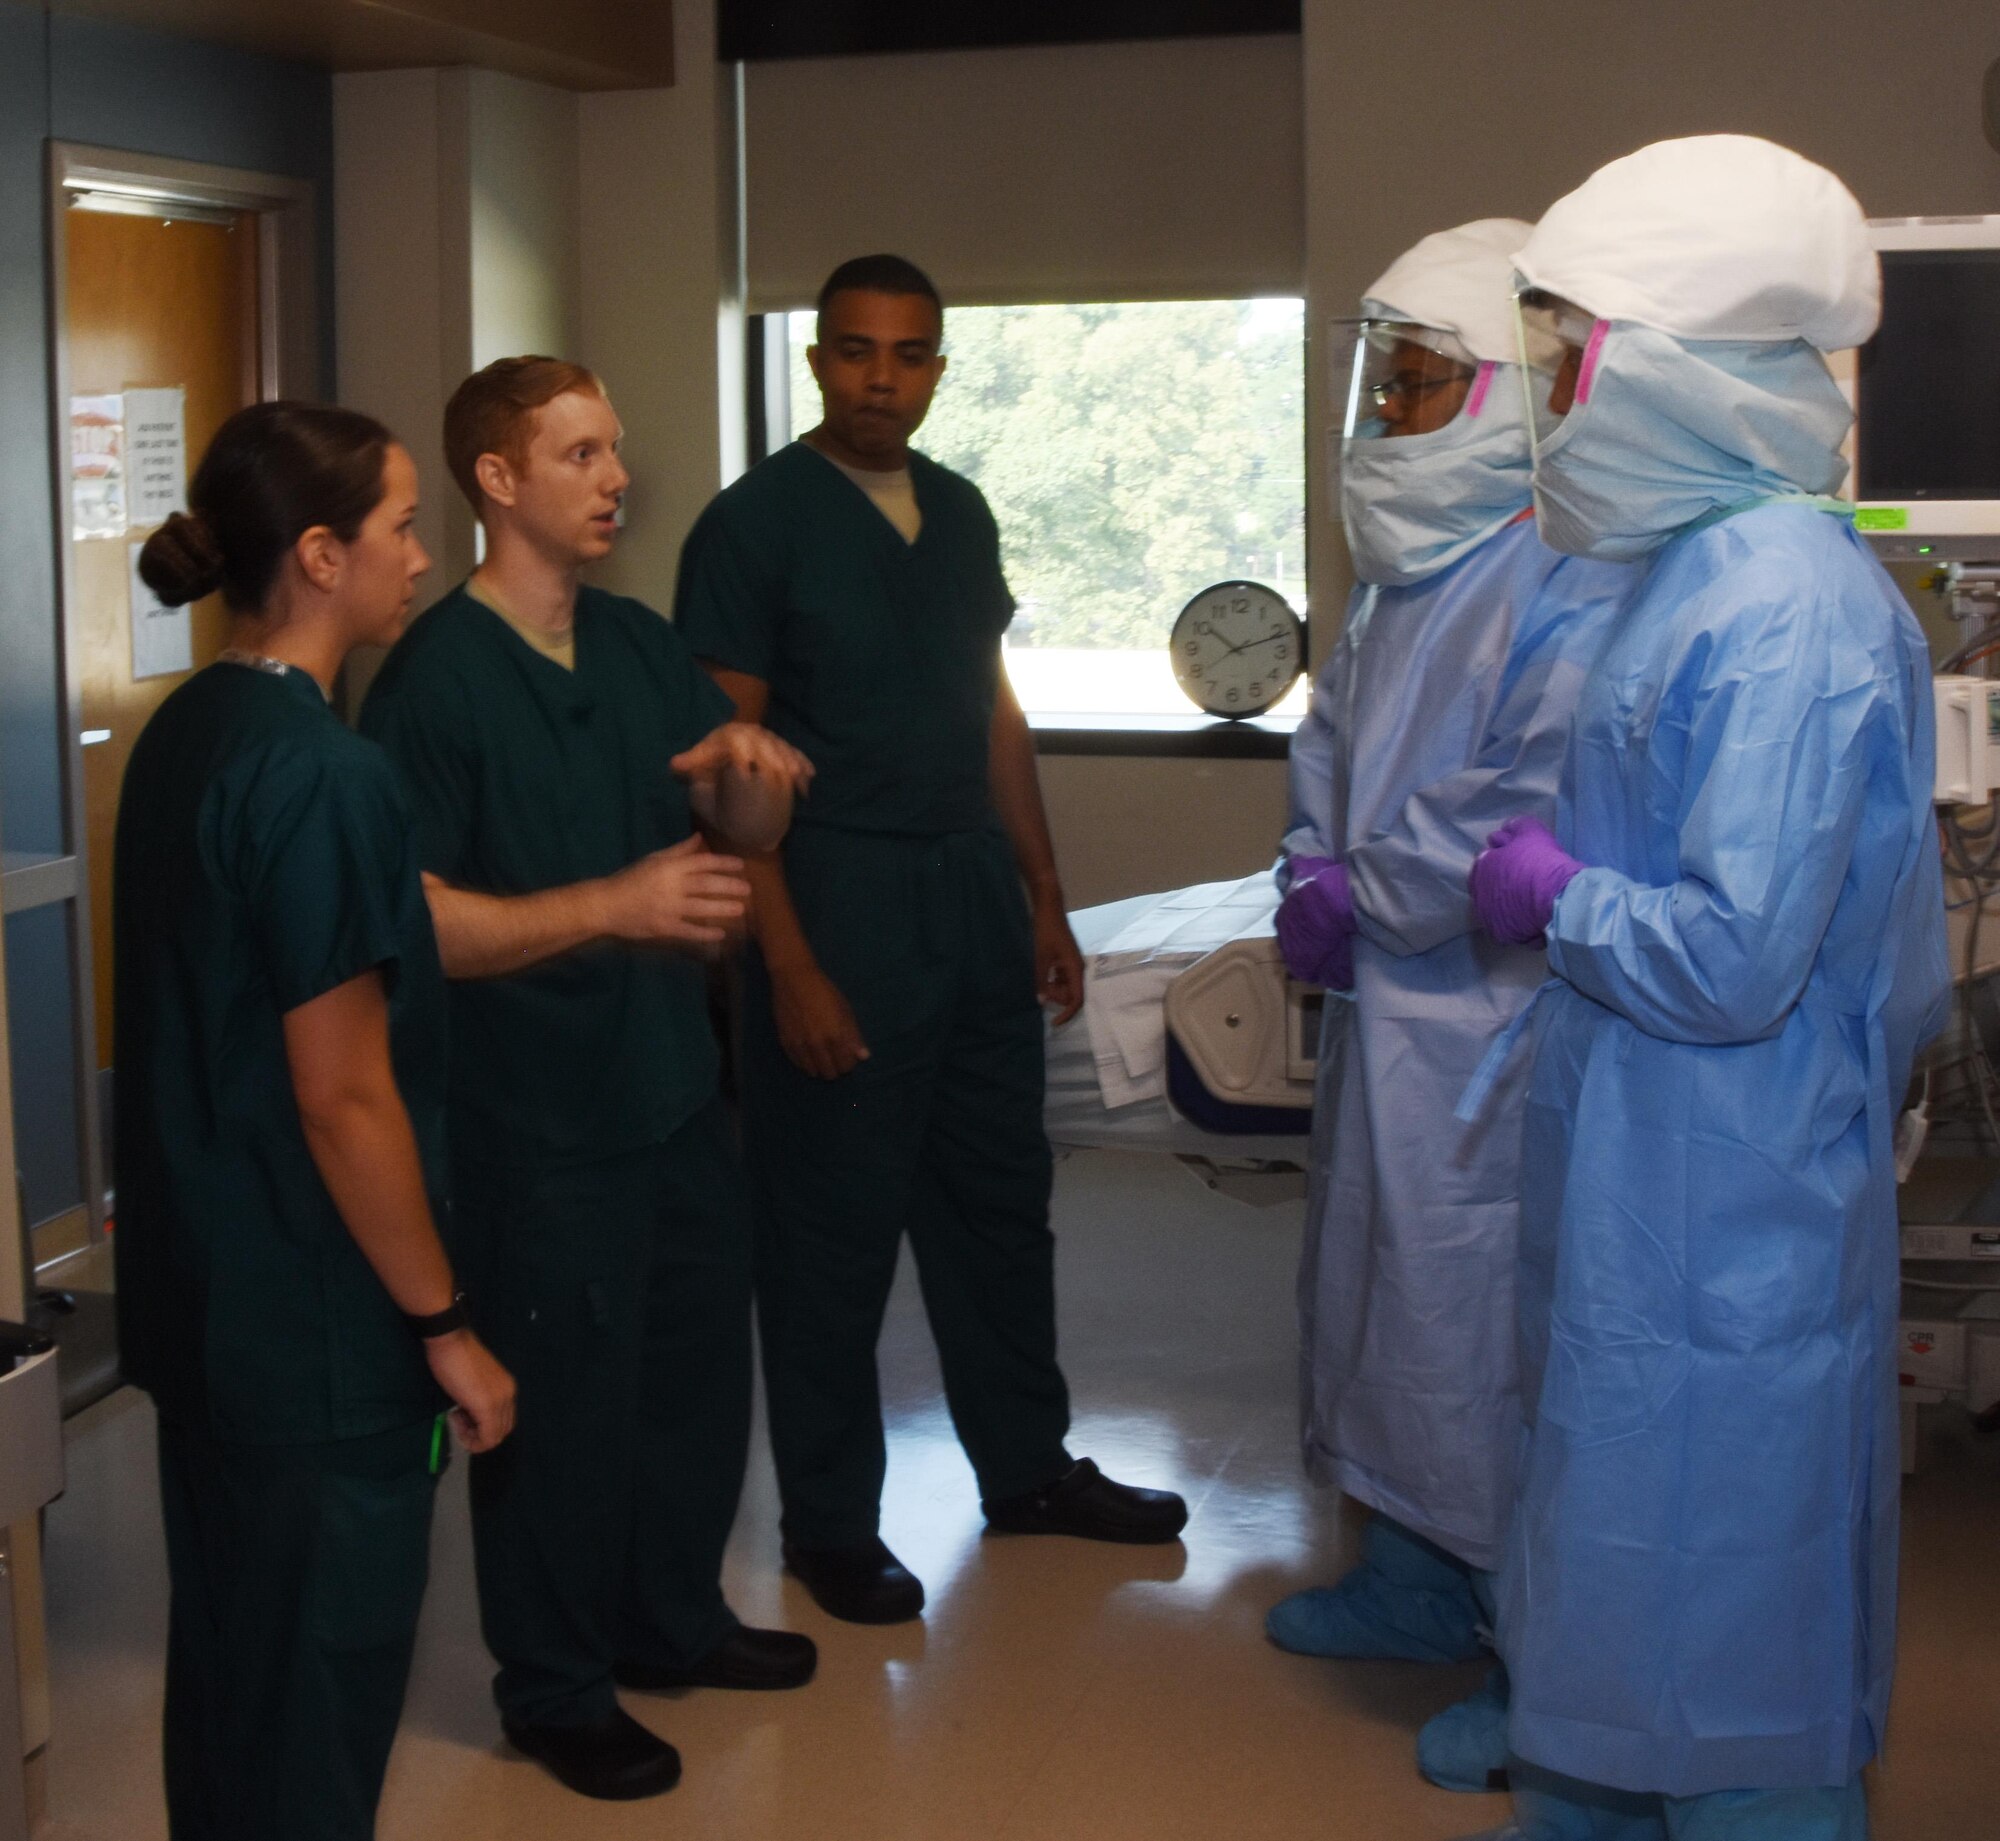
(1238, 648)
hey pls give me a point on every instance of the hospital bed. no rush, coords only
(1192, 1040)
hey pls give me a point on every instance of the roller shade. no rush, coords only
(1101, 172)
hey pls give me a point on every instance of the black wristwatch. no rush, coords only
(439, 1322)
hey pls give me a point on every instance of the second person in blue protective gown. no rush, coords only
(1445, 705)
(1697, 1607)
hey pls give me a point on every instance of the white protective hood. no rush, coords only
(1719, 236)
(1459, 281)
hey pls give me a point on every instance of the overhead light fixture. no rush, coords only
(137, 203)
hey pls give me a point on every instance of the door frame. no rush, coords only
(287, 365)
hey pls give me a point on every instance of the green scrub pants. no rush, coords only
(938, 1135)
(297, 1572)
(618, 1293)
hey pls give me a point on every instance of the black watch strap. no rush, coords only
(439, 1322)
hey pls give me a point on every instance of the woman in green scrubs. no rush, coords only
(283, 1293)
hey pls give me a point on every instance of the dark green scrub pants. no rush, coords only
(297, 1573)
(618, 1293)
(938, 1135)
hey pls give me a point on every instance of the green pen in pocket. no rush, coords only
(437, 1443)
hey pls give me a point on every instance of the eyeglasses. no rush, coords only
(1413, 390)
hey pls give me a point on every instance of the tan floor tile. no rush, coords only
(1057, 1690)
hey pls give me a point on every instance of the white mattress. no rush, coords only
(1107, 1081)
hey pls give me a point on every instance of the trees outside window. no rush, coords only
(1133, 453)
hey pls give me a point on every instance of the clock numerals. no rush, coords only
(1237, 649)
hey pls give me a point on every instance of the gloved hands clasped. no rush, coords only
(1316, 924)
(1516, 880)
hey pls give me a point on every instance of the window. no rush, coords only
(1133, 454)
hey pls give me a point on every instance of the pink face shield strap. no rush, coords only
(1475, 399)
(1586, 372)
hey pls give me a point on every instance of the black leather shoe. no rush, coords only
(1085, 1502)
(745, 1658)
(858, 1585)
(616, 1761)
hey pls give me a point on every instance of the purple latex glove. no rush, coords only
(1515, 882)
(1316, 924)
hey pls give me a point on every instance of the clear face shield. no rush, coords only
(1558, 342)
(1407, 379)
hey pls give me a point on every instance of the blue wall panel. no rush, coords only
(86, 80)
(30, 731)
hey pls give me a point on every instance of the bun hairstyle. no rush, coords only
(273, 472)
(182, 561)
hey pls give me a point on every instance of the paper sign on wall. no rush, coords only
(162, 636)
(97, 466)
(155, 455)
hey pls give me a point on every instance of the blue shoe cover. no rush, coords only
(1407, 1601)
(1465, 1747)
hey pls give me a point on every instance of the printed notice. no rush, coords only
(162, 637)
(97, 466)
(155, 455)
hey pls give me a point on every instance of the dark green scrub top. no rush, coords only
(264, 856)
(526, 776)
(883, 656)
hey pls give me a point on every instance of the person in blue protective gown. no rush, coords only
(1743, 910)
(1446, 704)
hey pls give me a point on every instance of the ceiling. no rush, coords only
(576, 44)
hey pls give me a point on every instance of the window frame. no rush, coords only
(1193, 736)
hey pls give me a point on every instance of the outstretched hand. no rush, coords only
(748, 748)
(741, 782)
(685, 896)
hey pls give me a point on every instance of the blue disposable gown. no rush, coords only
(1699, 1588)
(1445, 709)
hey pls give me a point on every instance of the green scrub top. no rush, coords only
(264, 857)
(883, 656)
(526, 776)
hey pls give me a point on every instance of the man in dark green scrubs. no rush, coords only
(849, 591)
(558, 743)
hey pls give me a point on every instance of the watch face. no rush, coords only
(1238, 648)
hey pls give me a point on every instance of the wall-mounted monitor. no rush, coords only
(1926, 391)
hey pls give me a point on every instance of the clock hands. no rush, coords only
(1250, 645)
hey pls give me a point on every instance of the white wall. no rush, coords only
(402, 301)
(1125, 825)
(1092, 172)
(455, 239)
(526, 257)
(455, 236)
(662, 319)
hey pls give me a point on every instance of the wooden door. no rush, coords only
(154, 302)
